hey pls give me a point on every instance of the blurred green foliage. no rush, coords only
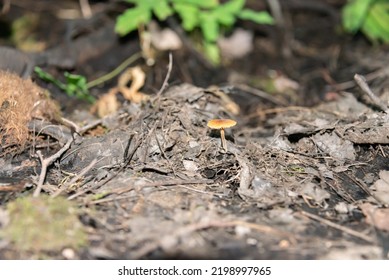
(371, 17)
(209, 16)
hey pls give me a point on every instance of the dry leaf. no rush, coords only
(375, 216)
(107, 104)
(381, 187)
(335, 146)
(137, 78)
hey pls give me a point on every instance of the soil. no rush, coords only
(304, 174)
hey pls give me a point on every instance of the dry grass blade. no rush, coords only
(339, 227)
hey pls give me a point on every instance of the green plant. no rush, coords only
(371, 17)
(209, 16)
(75, 85)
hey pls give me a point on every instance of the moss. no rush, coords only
(44, 224)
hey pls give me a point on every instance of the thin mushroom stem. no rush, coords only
(224, 142)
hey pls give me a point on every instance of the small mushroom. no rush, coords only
(221, 124)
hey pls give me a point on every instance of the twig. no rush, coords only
(85, 9)
(361, 81)
(91, 186)
(164, 154)
(339, 227)
(261, 94)
(90, 125)
(154, 184)
(114, 72)
(122, 190)
(46, 163)
(276, 11)
(127, 161)
(169, 71)
(156, 101)
(75, 178)
(363, 187)
(163, 183)
(59, 132)
(382, 72)
(70, 123)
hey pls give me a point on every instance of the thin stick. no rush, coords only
(361, 81)
(85, 9)
(169, 71)
(75, 178)
(368, 77)
(109, 199)
(339, 227)
(122, 190)
(113, 175)
(114, 72)
(261, 94)
(163, 183)
(276, 11)
(46, 163)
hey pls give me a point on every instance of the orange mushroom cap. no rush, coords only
(221, 123)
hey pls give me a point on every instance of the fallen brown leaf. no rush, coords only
(375, 216)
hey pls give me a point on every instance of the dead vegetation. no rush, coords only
(162, 186)
(21, 102)
(147, 179)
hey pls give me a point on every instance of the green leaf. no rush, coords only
(209, 26)
(375, 26)
(76, 85)
(257, 17)
(162, 10)
(212, 52)
(231, 7)
(77, 81)
(226, 13)
(131, 19)
(189, 16)
(207, 4)
(224, 18)
(49, 78)
(354, 13)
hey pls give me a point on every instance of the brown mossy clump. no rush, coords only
(20, 102)
(43, 224)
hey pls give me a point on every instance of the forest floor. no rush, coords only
(139, 175)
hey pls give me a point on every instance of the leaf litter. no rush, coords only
(161, 186)
(147, 179)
